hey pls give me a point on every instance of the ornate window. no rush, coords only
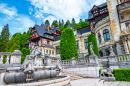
(86, 43)
(106, 35)
(77, 43)
(57, 50)
(99, 38)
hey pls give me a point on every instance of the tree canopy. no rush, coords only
(47, 22)
(4, 38)
(68, 48)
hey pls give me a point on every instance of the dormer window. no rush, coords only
(33, 34)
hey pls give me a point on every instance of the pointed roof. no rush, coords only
(41, 30)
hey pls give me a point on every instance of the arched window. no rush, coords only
(99, 38)
(106, 35)
(107, 52)
(100, 53)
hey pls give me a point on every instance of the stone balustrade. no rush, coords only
(119, 58)
(11, 58)
(74, 61)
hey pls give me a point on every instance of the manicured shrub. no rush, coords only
(122, 74)
(91, 38)
(68, 48)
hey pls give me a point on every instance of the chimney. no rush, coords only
(52, 27)
(47, 28)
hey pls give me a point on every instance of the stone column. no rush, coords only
(118, 48)
(7, 59)
(129, 44)
(1, 59)
(126, 47)
(102, 38)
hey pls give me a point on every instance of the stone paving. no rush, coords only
(97, 82)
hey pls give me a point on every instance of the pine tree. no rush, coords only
(81, 20)
(66, 25)
(4, 38)
(68, 21)
(55, 23)
(68, 48)
(73, 21)
(47, 22)
(62, 22)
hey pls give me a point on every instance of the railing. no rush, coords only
(74, 61)
(15, 57)
(119, 58)
(2, 54)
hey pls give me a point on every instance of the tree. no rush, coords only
(62, 22)
(73, 21)
(84, 24)
(55, 23)
(13, 43)
(68, 21)
(4, 38)
(86, 20)
(81, 20)
(25, 52)
(91, 38)
(68, 48)
(47, 22)
(66, 25)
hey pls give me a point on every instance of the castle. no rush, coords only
(110, 22)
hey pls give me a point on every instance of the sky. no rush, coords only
(22, 14)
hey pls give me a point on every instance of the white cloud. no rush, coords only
(23, 22)
(9, 11)
(63, 9)
(30, 10)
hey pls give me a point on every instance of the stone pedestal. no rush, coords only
(16, 57)
(47, 60)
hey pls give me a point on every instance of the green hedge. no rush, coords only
(25, 52)
(91, 38)
(122, 74)
(68, 48)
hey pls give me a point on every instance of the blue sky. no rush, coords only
(22, 14)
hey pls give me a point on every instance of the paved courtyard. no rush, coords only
(97, 82)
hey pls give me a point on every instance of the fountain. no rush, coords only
(33, 72)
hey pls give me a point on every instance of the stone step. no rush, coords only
(72, 76)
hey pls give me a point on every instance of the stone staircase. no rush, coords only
(72, 76)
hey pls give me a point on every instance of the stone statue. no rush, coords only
(111, 51)
(108, 72)
(29, 70)
(36, 56)
(91, 49)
